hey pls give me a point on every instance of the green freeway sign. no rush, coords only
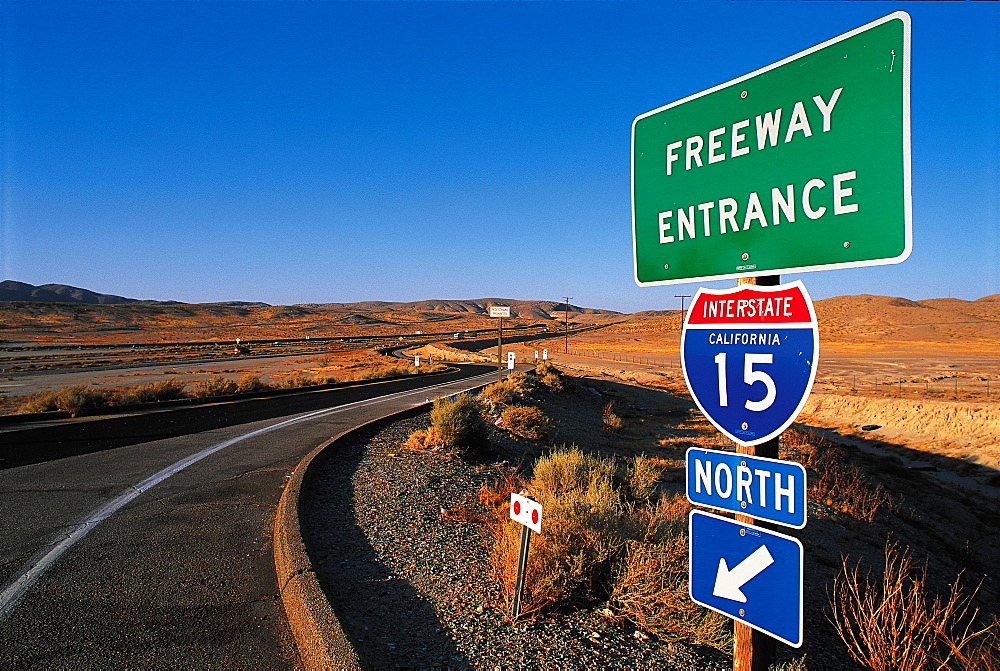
(802, 165)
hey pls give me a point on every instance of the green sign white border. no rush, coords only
(907, 190)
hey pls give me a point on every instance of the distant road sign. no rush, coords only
(748, 573)
(526, 511)
(802, 165)
(767, 489)
(499, 311)
(749, 357)
(510, 360)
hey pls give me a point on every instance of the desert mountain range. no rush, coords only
(11, 290)
(37, 313)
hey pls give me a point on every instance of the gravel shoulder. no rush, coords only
(412, 587)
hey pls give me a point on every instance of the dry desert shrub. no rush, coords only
(840, 484)
(550, 376)
(213, 386)
(151, 392)
(509, 391)
(545, 368)
(525, 421)
(39, 401)
(383, 372)
(78, 399)
(495, 493)
(299, 381)
(650, 584)
(567, 470)
(553, 382)
(898, 623)
(651, 589)
(73, 399)
(250, 384)
(456, 429)
(570, 563)
(595, 545)
(642, 475)
(612, 422)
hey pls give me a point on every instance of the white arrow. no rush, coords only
(728, 582)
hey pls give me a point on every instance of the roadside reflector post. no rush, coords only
(522, 564)
(528, 514)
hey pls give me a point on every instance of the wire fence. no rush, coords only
(943, 385)
(963, 387)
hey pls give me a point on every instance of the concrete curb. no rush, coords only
(318, 636)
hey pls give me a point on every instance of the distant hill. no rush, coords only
(11, 290)
(479, 306)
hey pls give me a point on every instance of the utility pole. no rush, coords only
(566, 315)
(682, 308)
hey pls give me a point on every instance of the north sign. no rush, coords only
(747, 573)
(766, 489)
(749, 357)
(802, 165)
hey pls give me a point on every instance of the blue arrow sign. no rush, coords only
(747, 573)
(768, 489)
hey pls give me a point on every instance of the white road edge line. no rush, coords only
(16, 590)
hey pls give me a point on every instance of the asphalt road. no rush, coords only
(180, 573)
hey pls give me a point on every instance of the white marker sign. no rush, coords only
(527, 512)
(499, 311)
(510, 361)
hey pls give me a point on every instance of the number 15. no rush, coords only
(750, 376)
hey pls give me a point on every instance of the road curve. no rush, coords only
(181, 573)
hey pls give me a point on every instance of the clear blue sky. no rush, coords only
(295, 152)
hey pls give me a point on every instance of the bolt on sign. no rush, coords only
(802, 165)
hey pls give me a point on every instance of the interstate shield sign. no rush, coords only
(749, 356)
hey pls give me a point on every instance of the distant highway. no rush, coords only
(157, 554)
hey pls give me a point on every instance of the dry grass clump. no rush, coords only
(252, 384)
(650, 585)
(840, 484)
(651, 588)
(73, 399)
(78, 399)
(525, 421)
(898, 623)
(612, 422)
(642, 475)
(494, 495)
(457, 428)
(151, 392)
(570, 561)
(213, 386)
(605, 537)
(511, 390)
(550, 376)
